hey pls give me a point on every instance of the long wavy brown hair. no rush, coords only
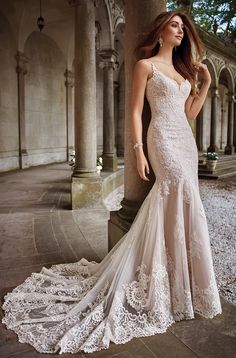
(185, 55)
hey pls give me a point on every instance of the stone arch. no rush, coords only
(226, 72)
(212, 69)
(119, 21)
(45, 100)
(59, 21)
(104, 19)
(116, 16)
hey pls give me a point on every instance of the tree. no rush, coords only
(216, 16)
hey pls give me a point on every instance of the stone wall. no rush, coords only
(45, 101)
(9, 138)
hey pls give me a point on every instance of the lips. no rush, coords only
(179, 37)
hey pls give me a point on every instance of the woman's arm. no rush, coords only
(193, 104)
(140, 76)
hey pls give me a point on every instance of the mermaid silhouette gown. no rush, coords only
(160, 272)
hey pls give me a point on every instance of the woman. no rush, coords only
(161, 271)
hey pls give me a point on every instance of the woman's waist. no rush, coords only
(167, 110)
(166, 126)
(174, 134)
(166, 113)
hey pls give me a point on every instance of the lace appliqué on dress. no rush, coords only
(143, 314)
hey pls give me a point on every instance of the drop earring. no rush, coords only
(160, 40)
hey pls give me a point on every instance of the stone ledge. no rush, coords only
(91, 192)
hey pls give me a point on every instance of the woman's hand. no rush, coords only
(142, 164)
(203, 71)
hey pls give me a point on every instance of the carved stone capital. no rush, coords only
(107, 64)
(232, 69)
(214, 92)
(218, 62)
(230, 97)
(22, 61)
(108, 59)
(116, 9)
(69, 76)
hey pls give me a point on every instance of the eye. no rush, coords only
(174, 24)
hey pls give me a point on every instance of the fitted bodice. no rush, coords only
(165, 95)
(172, 148)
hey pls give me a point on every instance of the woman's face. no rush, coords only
(173, 31)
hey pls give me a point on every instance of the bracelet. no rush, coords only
(138, 145)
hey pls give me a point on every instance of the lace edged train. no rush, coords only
(160, 272)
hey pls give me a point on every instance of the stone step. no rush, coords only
(226, 166)
(219, 166)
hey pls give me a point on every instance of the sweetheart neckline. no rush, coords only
(171, 79)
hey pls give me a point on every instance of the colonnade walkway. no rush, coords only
(38, 228)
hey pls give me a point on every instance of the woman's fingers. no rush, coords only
(142, 173)
(202, 69)
(143, 167)
(143, 176)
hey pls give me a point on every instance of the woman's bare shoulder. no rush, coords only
(143, 67)
(143, 63)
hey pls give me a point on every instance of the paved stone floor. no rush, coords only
(38, 228)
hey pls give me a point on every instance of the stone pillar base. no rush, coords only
(212, 148)
(86, 192)
(109, 163)
(23, 159)
(120, 221)
(117, 228)
(229, 149)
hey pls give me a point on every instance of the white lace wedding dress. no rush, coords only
(160, 272)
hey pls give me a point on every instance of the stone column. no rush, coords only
(109, 153)
(138, 18)
(199, 130)
(229, 149)
(234, 126)
(86, 181)
(121, 113)
(21, 71)
(69, 83)
(116, 114)
(214, 95)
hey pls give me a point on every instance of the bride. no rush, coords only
(161, 271)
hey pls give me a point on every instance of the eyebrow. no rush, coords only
(177, 22)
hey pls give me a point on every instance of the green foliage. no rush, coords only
(215, 16)
(212, 156)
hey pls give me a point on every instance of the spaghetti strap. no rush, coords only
(151, 63)
(162, 74)
(153, 67)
